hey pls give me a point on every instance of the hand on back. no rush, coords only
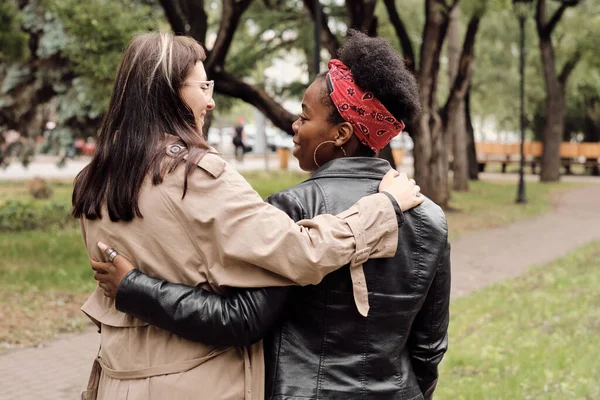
(406, 192)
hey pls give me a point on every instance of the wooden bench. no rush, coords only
(587, 154)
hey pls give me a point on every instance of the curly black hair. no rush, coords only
(378, 68)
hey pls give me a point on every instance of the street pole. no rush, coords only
(521, 198)
(317, 7)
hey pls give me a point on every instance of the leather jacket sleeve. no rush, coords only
(238, 319)
(428, 340)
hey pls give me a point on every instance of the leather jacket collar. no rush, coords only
(353, 167)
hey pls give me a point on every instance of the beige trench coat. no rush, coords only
(220, 235)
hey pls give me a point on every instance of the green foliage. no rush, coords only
(533, 337)
(80, 44)
(18, 215)
(97, 31)
(13, 42)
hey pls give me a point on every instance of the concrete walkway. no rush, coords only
(482, 258)
(59, 369)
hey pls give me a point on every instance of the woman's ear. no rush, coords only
(344, 133)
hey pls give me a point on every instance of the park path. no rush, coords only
(59, 369)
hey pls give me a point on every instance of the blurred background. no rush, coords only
(508, 145)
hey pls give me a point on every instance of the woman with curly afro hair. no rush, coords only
(374, 329)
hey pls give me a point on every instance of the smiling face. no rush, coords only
(313, 128)
(194, 96)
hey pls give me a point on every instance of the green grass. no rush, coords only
(492, 204)
(267, 183)
(533, 337)
(45, 260)
(56, 259)
(18, 190)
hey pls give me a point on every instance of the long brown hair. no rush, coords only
(145, 114)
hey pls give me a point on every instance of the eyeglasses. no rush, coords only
(207, 87)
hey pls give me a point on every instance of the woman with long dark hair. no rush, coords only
(155, 187)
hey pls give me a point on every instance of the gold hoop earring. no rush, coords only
(317, 148)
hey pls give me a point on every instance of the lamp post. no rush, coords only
(522, 9)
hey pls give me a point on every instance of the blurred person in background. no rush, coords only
(239, 140)
(372, 331)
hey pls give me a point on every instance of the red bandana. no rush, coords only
(373, 124)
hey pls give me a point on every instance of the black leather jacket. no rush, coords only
(317, 345)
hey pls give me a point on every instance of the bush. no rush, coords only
(39, 188)
(16, 215)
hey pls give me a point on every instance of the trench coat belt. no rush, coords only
(165, 369)
(357, 272)
(247, 375)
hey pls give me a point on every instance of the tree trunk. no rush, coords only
(453, 50)
(471, 150)
(457, 129)
(555, 115)
(360, 15)
(431, 159)
(455, 107)
(455, 125)
(555, 100)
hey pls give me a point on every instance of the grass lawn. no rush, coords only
(492, 204)
(45, 275)
(533, 337)
(18, 190)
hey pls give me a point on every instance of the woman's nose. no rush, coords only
(295, 125)
(211, 104)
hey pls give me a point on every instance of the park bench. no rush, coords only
(586, 154)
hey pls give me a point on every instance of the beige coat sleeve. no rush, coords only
(231, 222)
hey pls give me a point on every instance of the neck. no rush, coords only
(354, 148)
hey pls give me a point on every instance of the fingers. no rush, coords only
(122, 263)
(108, 292)
(391, 178)
(392, 173)
(108, 251)
(101, 267)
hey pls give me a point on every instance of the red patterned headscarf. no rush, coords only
(373, 124)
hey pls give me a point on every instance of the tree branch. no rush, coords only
(329, 40)
(546, 28)
(568, 68)
(465, 64)
(230, 85)
(232, 10)
(197, 19)
(401, 32)
(555, 19)
(447, 7)
(174, 16)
